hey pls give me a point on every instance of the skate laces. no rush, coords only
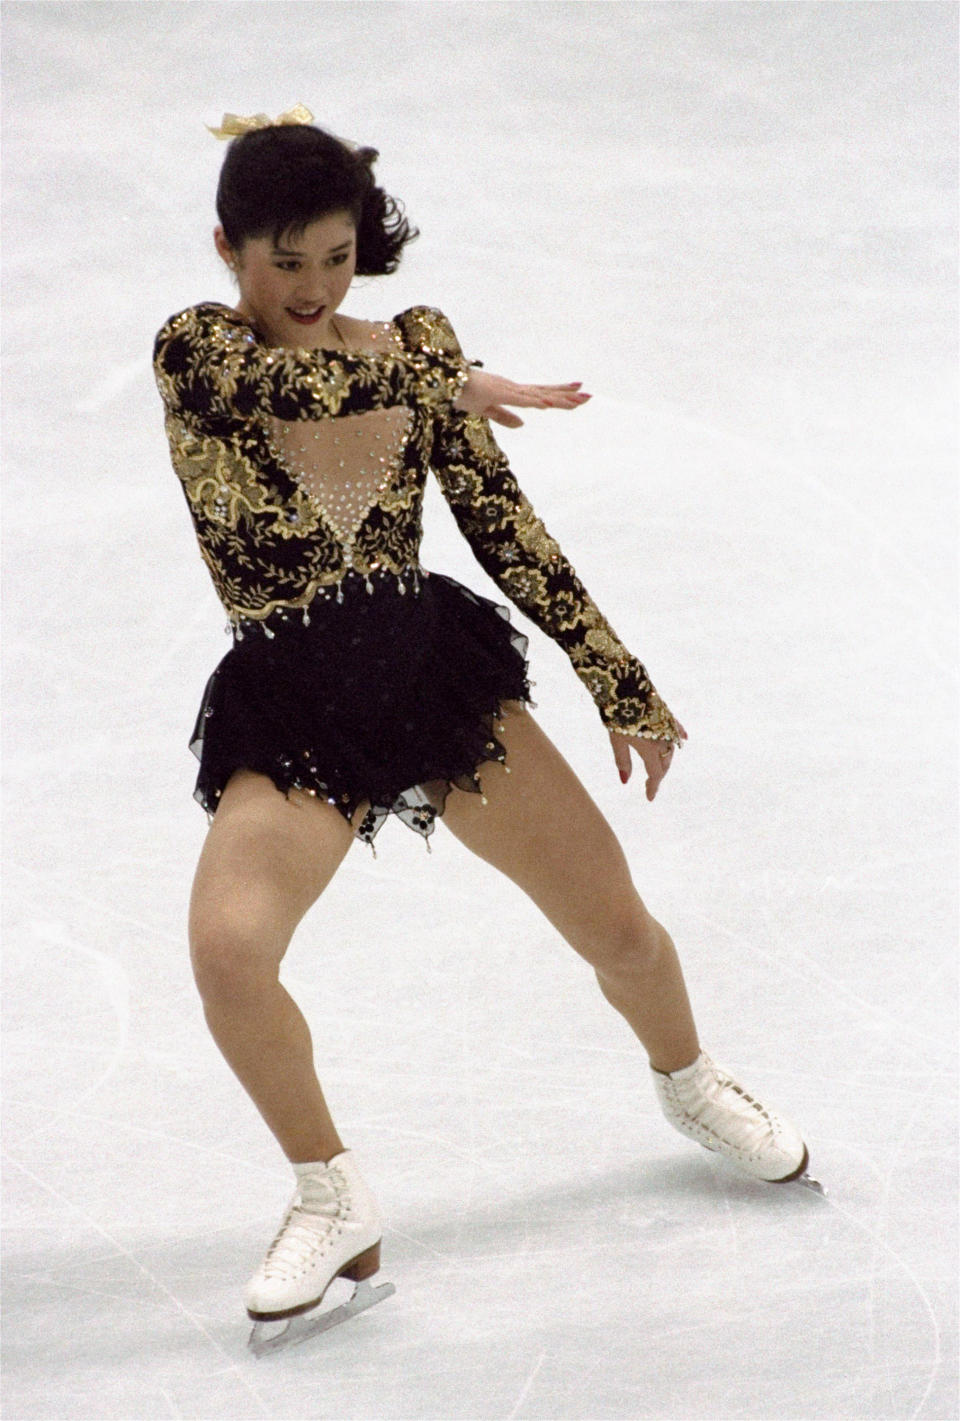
(710, 1097)
(309, 1222)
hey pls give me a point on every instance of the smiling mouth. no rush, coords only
(305, 318)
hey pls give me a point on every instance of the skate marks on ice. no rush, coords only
(280, 1333)
(729, 1176)
(233, 1367)
(883, 1249)
(886, 1029)
(115, 985)
(274, 1334)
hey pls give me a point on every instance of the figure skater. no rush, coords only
(358, 685)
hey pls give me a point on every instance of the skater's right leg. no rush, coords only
(265, 861)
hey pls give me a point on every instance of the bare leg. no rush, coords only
(542, 829)
(264, 862)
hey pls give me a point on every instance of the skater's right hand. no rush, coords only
(486, 394)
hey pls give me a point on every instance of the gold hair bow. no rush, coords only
(233, 125)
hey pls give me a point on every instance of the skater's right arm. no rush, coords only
(209, 361)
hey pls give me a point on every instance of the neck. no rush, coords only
(330, 338)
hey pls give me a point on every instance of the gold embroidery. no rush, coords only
(209, 362)
(480, 438)
(221, 486)
(275, 534)
(601, 639)
(524, 585)
(512, 545)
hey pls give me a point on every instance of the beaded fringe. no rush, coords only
(410, 576)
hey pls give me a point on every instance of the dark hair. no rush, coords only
(279, 179)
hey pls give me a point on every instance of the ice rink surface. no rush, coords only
(736, 224)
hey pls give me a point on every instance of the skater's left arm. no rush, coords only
(512, 545)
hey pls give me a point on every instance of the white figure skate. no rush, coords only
(331, 1230)
(704, 1103)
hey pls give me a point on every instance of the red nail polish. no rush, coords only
(623, 776)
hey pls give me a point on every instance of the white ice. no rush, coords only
(736, 224)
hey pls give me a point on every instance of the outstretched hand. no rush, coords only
(487, 394)
(657, 756)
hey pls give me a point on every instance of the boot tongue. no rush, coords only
(319, 1166)
(320, 1187)
(318, 1195)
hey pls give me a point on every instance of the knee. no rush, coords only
(633, 941)
(231, 958)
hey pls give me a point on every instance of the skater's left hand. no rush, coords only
(657, 756)
(487, 394)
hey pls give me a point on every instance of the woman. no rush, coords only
(359, 685)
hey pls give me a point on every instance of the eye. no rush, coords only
(289, 265)
(339, 260)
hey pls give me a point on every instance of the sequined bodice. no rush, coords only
(346, 466)
(302, 468)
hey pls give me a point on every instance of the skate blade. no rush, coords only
(304, 1325)
(808, 1182)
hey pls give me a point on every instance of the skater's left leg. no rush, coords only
(540, 827)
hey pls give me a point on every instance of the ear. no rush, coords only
(223, 246)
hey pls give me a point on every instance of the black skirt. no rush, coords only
(382, 696)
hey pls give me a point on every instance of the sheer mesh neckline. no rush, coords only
(343, 465)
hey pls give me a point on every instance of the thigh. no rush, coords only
(265, 861)
(541, 828)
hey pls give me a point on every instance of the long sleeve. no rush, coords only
(512, 545)
(209, 363)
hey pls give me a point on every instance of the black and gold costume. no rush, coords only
(354, 674)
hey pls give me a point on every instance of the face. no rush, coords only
(292, 289)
